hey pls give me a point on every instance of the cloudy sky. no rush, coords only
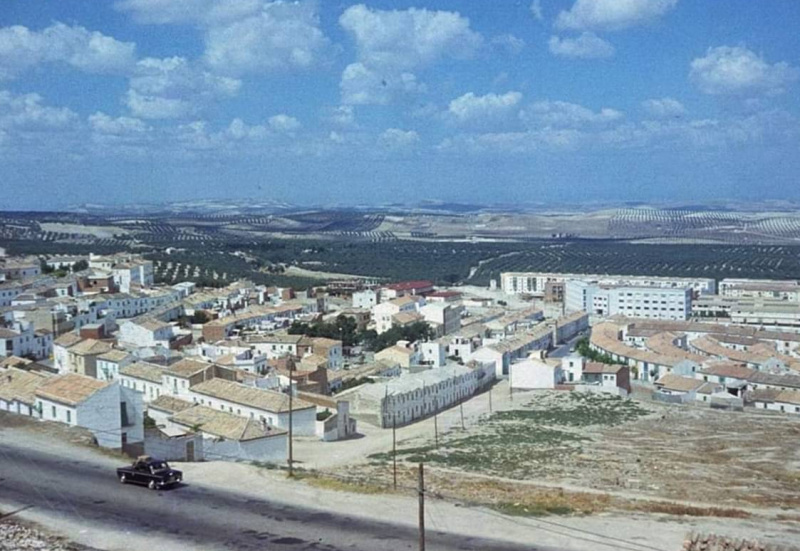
(335, 102)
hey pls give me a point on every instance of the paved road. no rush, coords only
(564, 349)
(89, 492)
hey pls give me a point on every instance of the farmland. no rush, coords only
(306, 247)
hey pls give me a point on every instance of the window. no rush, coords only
(69, 416)
(53, 411)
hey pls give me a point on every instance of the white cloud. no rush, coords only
(737, 70)
(239, 130)
(536, 10)
(283, 35)
(92, 52)
(172, 88)
(396, 139)
(284, 123)
(670, 134)
(342, 115)
(392, 45)
(105, 124)
(410, 38)
(664, 108)
(244, 36)
(25, 112)
(509, 43)
(586, 46)
(470, 107)
(561, 114)
(361, 85)
(612, 15)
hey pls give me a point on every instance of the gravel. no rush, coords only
(15, 536)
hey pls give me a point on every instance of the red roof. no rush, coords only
(445, 294)
(409, 285)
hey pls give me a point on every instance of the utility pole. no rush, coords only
(491, 387)
(421, 492)
(394, 449)
(291, 458)
(510, 387)
(461, 407)
(436, 427)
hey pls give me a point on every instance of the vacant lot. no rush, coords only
(560, 451)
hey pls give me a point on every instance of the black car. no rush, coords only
(150, 472)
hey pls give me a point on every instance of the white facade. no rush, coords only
(447, 316)
(303, 420)
(635, 302)
(383, 312)
(145, 335)
(366, 299)
(433, 353)
(276, 346)
(535, 374)
(108, 369)
(535, 282)
(101, 414)
(20, 339)
(414, 396)
(572, 366)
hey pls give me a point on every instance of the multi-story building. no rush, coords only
(760, 288)
(637, 302)
(385, 311)
(367, 298)
(535, 283)
(18, 338)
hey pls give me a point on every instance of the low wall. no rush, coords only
(598, 389)
(711, 542)
(672, 398)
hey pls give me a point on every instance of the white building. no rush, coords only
(410, 397)
(535, 282)
(257, 404)
(787, 401)
(330, 349)
(445, 318)
(535, 373)
(383, 313)
(434, 353)
(229, 437)
(275, 346)
(145, 332)
(503, 353)
(635, 302)
(144, 378)
(18, 391)
(113, 414)
(788, 290)
(110, 363)
(366, 299)
(19, 338)
(61, 351)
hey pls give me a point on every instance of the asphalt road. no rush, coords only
(201, 517)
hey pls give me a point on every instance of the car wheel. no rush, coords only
(152, 485)
(122, 479)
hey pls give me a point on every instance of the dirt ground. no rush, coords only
(562, 452)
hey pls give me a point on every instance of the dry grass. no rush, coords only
(680, 509)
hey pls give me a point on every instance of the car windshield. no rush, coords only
(159, 466)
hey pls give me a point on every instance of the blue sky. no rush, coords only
(320, 103)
